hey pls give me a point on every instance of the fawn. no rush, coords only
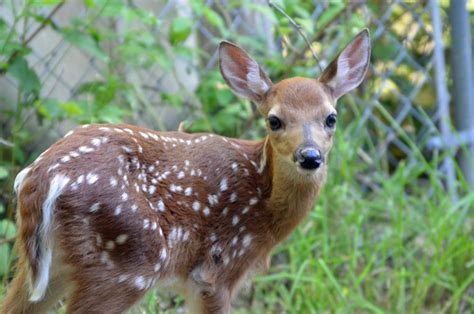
(110, 211)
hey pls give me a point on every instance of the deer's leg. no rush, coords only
(206, 302)
(17, 298)
(106, 296)
(204, 295)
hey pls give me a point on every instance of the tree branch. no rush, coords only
(298, 28)
(43, 24)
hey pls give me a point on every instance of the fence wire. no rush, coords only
(395, 25)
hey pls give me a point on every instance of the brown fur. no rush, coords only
(127, 218)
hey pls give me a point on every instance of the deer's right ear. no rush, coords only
(244, 76)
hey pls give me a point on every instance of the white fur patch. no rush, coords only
(20, 178)
(46, 244)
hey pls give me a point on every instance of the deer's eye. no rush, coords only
(274, 123)
(331, 120)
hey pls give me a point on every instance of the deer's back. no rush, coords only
(150, 203)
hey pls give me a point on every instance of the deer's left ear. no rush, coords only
(348, 70)
(244, 76)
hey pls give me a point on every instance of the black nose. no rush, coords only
(310, 158)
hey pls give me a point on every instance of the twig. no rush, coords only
(43, 24)
(7, 240)
(33, 35)
(298, 28)
(5, 143)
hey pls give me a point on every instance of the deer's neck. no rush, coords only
(292, 195)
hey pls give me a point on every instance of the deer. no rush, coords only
(111, 211)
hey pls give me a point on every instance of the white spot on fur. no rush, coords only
(110, 245)
(95, 207)
(122, 278)
(213, 199)
(188, 191)
(139, 281)
(124, 197)
(96, 141)
(233, 197)
(118, 210)
(235, 220)
(206, 211)
(85, 149)
(196, 206)
(65, 159)
(175, 188)
(151, 189)
(163, 254)
(121, 239)
(161, 205)
(91, 178)
(223, 184)
(157, 267)
(53, 167)
(146, 223)
(253, 201)
(180, 175)
(113, 181)
(246, 240)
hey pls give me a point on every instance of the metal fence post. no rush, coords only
(442, 92)
(463, 89)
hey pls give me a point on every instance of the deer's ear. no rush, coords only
(348, 70)
(244, 76)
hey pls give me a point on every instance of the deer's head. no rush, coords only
(300, 113)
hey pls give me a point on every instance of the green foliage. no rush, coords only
(380, 239)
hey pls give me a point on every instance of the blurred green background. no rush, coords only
(392, 231)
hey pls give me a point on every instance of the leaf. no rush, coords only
(26, 77)
(7, 229)
(84, 42)
(214, 19)
(49, 108)
(180, 29)
(89, 3)
(3, 172)
(72, 108)
(4, 259)
(111, 114)
(44, 3)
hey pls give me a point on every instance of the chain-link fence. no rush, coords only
(402, 111)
